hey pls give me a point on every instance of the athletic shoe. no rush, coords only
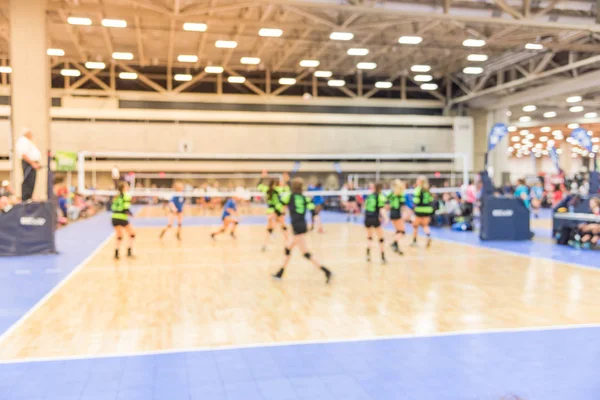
(278, 275)
(327, 273)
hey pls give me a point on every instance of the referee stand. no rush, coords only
(28, 228)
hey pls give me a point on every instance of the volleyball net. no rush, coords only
(333, 178)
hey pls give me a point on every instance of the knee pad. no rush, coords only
(369, 238)
(284, 228)
(235, 223)
(307, 256)
(398, 232)
(287, 251)
(119, 238)
(381, 240)
(132, 236)
(270, 230)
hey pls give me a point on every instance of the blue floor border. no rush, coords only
(526, 364)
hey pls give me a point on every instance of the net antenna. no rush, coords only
(384, 163)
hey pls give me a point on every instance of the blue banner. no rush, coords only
(337, 167)
(496, 134)
(554, 157)
(296, 167)
(583, 138)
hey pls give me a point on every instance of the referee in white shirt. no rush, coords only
(30, 160)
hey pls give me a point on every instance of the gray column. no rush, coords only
(498, 158)
(30, 83)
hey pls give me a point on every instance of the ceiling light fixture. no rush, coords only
(194, 27)
(341, 36)
(410, 39)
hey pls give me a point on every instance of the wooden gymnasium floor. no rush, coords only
(203, 294)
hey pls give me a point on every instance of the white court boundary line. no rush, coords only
(55, 289)
(514, 253)
(543, 328)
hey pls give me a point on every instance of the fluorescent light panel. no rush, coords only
(576, 109)
(226, 44)
(545, 129)
(525, 118)
(591, 115)
(55, 52)
(5, 70)
(323, 74)
(410, 39)
(383, 85)
(429, 86)
(336, 83)
(236, 79)
(189, 58)
(310, 63)
(183, 77)
(366, 65)
(250, 60)
(550, 114)
(573, 99)
(477, 57)
(473, 43)
(534, 46)
(270, 32)
(423, 78)
(358, 51)
(341, 36)
(473, 70)
(79, 21)
(573, 126)
(70, 72)
(128, 75)
(114, 23)
(420, 68)
(213, 69)
(194, 27)
(95, 65)
(287, 81)
(122, 56)
(529, 108)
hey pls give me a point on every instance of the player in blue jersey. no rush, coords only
(175, 210)
(319, 203)
(230, 217)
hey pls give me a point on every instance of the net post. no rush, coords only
(81, 172)
(465, 169)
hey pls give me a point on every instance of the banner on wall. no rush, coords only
(497, 132)
(66, 161)
(554, 157)
(337, 167)
(583, 138)
(296, 167)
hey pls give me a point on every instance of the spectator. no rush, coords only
(30, 161)
(116, 175)
(557, 195)
(5, 189)
(5, 205)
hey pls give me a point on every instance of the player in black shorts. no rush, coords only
(298, 204)
(423, 201)
(374, 214)
(352, 206)
(121, 212)
(397, 200)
